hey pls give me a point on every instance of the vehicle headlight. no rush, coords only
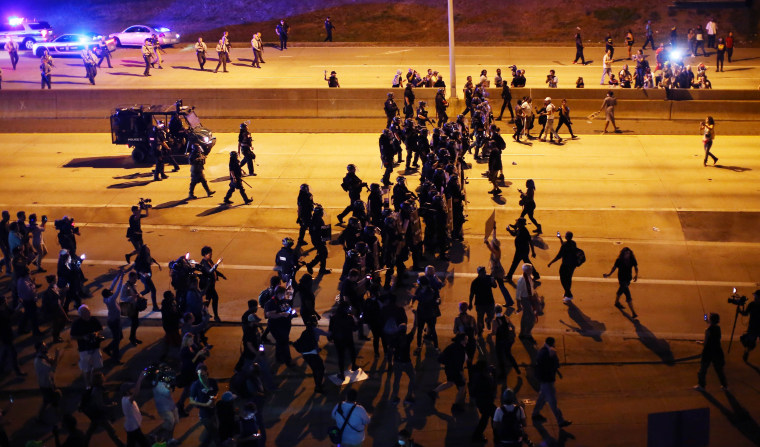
(206, 139)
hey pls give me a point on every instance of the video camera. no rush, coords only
(737, 300)
(66, 225)
(145, 204)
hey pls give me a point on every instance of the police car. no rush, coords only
(70, 44)
(25, 33)
(135, 35)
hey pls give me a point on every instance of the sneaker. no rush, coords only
(247, 201)
(192, 196)
(227, 201)
(211, 193)
(325, 271)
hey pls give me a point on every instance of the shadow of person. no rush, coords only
(132, 184)
(586, 326)
(217, 209)
(659, 346)
(733, 168)
(531, 349)
(499, 199)
(170, 204)
(737, 415)
(548, 440)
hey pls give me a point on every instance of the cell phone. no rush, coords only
(558, 234)
(261, 347)
(82, 256)
(10, 398)
(705, 317)
(292, 311)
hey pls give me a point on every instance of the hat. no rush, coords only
(526, 267)
(547, 99)
(228, 396)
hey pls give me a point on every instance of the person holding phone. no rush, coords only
(203, 394)
(568, 252)
(707, 127)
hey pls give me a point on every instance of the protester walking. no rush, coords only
(712, 354)
(568, 252)
(625, 264)
(547, 370)
(707, 127)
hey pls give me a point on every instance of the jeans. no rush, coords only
(547, 394)
(566, 278)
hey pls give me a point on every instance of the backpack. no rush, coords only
(305, 342)
(580, 257)
(510, 429)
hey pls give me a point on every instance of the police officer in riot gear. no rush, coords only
(158, 141)
(387, 151)
(305, 203)
(286, 260)
(353, 185)
(236, 180)
(197, 162)
(401, 193)
(245, 145)
(391, 109)
(315, 232)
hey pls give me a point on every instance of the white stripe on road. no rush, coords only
(671, 282)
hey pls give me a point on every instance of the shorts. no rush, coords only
(90, 360)
(169, 418)
(50, 396)
(456, 378)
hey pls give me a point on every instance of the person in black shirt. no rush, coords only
(453, 359)
(712, 353)
(209, 275)
(546, 371)
(279, 312)
(342, 328)
(305, 204)
(236, 180)
(481, 289)
(332, 81)
(422, 115)
(282, 30)
(440, 107)
(387, 151)
(579, 47)
(203, 394)
(749, 339)
(134, 232)
(86, 331)
(506, 95)
(408, 101)
(403, 363)
(142, 266)
(286, 260)
(568, 252)
(483, 392)
(624, 264)
(523, 248)
(329, 27)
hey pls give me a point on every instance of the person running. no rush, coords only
(707, 127)
(625, 264)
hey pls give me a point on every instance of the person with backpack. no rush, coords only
(308, 346)
(352, 420)
(547, 370)
(505, 334)
(453, 359)
(569, 254)
(509, 422)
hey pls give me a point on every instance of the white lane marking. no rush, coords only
(396, 51)
(672, 282)
(469, 207)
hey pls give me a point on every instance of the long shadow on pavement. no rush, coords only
(549, 441)
(737, 415)
(586, 326)
(659, 346)
(733, 168)
(119, 161)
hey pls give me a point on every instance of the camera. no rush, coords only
(44, 218)
(145, 204)
(160, 372)
(738, 300)
(66, 225)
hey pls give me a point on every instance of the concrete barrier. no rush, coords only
(297, 105)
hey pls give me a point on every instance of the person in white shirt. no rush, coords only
(606, 66)
(550, 110)
(132, 414)
(712, 30)
(258, 48)
(551, 79)
(355, 418)
(525, 303)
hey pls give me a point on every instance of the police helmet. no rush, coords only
(423, 103)
(305, 187)
(318, 210)
(389, 221)
(460, 117)
(288, 242)
(396, 120)
(233, 154)
(400, 179)
(390, 94)
(351, 167)
(243, 125)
